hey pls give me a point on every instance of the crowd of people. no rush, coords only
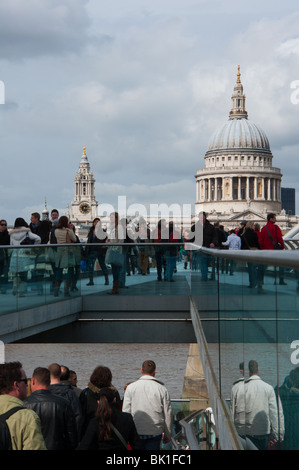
(102, 246)
(127, 247)
(49, 412)
(249, 236)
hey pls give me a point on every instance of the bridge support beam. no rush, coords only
(195, 386)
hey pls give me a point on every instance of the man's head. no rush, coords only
(3, 225)
(148, 368)
(13, 380)
(73, 378)
(253, 368)
(202, 217)
(35, 218)
(271, 217)
(40, 379)
(65, 373)
(55, 372)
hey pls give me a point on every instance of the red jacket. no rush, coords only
(265, 242)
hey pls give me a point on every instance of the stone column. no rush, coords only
(255, 188)
(239, 188)
(269, 189)
(278, 190)
(222, 182)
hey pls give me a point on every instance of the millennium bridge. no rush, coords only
(225, 321)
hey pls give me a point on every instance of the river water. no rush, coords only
(124, 360)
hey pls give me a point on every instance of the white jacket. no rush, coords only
(21, 259)
(233, 242)
(148, 401)
(17, 235)
(254, 408)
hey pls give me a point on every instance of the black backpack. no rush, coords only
(5, 440)
(27, 241)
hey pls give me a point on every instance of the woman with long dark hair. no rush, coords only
(101, 377)
(111, 429)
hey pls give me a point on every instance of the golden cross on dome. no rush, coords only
(238, 75)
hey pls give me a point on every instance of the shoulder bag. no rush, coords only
(277, 246)
(27, 240)
(114, 256)
(118, 434)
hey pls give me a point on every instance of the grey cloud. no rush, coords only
(146, 104)
(32, 29)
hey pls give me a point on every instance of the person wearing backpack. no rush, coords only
(22, 430)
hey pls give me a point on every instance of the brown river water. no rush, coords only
(124, 360)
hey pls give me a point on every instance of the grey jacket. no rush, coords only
(148, 401)
(254, 408)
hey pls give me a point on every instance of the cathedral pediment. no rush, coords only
(248, 215)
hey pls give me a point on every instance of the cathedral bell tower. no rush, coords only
(84, 206)
(238, 110)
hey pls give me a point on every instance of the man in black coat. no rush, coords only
(206, 234)
(57, 417)
(65, 390)
(40, 227)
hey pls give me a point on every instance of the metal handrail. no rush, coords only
(284, 258)
(208, 428)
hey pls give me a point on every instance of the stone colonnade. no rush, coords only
(224, 188)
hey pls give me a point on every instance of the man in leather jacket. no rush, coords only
(57, 417)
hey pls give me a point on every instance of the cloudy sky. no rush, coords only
(143, 85)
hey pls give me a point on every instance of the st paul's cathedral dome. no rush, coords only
(238, 180)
